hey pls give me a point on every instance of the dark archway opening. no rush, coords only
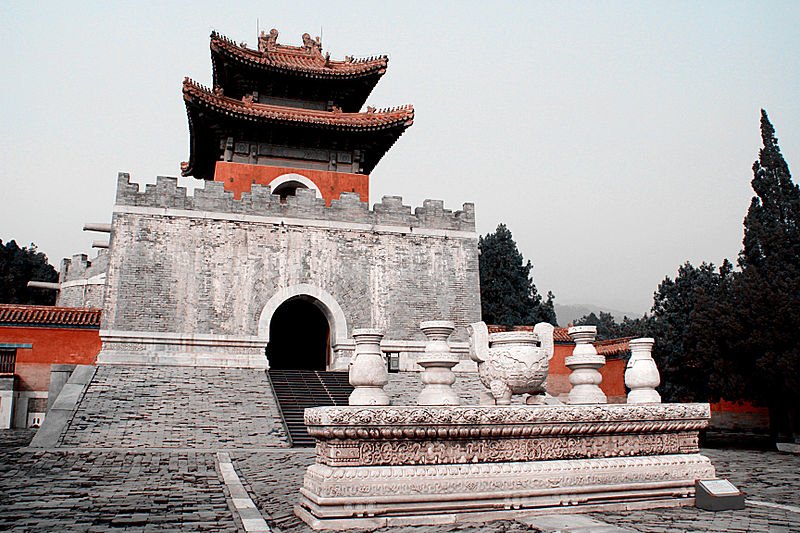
(288, 188)
(299, 336)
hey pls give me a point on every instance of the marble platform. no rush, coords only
(378, 466)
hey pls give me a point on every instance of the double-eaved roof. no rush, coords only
(288, 96)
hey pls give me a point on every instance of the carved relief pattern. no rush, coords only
(394, 481)
(504, 431)
(373, 453)
(522, 368)
(512, 415)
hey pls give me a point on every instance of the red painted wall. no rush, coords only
(69, 346)
(613, 373)
(238, 177)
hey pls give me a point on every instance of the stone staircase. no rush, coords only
(295, 390)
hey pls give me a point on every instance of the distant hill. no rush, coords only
(571, 313)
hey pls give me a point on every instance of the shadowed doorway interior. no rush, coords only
(299, 336)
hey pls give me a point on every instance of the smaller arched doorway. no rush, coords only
(287, 184)
(299, 336)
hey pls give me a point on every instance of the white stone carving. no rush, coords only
(368, 372)
(512, 362)
(438, 361)
(574, 418)
(641, 375)
(585, 364)
(376, 496)
(378, 466)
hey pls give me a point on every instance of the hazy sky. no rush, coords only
(615, 139)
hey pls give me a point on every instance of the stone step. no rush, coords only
(296, 390)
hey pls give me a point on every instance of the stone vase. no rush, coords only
(438, 361)
(585, 364)
(368, 372)
(641, 374)
(510, 362)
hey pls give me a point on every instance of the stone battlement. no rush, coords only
(165, 193)
(81, 267)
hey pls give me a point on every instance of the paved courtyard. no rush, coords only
(139, 489)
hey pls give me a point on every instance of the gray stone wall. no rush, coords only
(209, 264)
(83, 280)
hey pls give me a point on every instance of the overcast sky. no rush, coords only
(615, 139)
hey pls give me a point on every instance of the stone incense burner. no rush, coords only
(512, 362)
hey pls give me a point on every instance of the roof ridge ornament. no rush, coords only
(268, 41)
(313, 46)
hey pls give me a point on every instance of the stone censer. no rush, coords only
(379, 465)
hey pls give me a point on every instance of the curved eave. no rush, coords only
(187, 168)
(397, 118)
(339, 70)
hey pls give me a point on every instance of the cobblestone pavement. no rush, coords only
(764, 476)
(105, 490)
(176, 407)
(157, 490)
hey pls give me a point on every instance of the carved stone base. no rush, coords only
(433, 465)
(350, 497)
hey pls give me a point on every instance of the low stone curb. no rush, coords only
(251, 518)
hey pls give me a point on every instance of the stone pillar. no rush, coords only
(585, 364)
(438, 361)
(368, 372)
(641, 375)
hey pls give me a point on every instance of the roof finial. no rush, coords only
(312, 45)
(267, 41)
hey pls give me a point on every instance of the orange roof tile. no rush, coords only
(608, 348)
(307, 59)
(42, 315)
(613, 347)
(372, 120)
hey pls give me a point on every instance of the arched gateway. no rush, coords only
(300, 324)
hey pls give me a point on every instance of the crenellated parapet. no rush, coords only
(166, 194)
(80, 267)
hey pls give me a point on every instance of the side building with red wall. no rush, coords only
(35, 343)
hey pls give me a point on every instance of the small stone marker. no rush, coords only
(717, 495)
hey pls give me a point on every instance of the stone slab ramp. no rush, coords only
(172, 407)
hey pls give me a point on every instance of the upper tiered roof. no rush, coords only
(293, 71)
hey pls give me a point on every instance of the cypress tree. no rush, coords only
(508, 295)
(768, 291)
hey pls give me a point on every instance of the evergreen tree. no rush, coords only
(508, 295)
(609, 328)
(769, 286)
(693, 345)
(18, 266)
(606, 324)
